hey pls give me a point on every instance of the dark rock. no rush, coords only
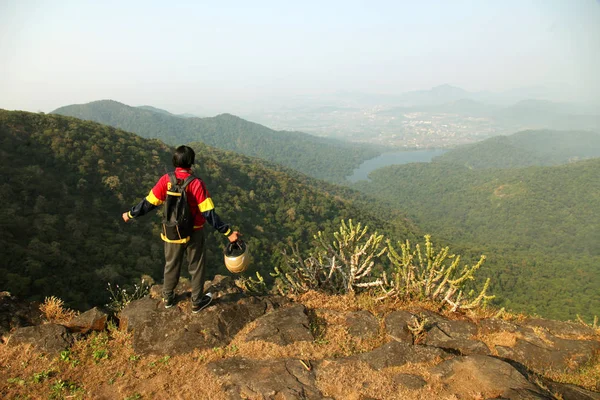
(570, 392)
(266, 379)
(139, 313)
(17, 314)
(91, 320)
(221, 286)
(455, 335)
(564, 356)
(560, 328)
(487, 376)
(396, 353)
(409, 381)
(487, 326)
(284, 326)
(362, 324)
(396, 326)
(455, 329)
(50, 338)
(157, 330)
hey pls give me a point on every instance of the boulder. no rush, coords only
(570, 392)
(395, 353)
(221, 286)
(454, 335)
(561, 328)
(17, 314)
(478, 376)
(91, 320)
(396, 326)
(362, 324)
(49, 338)
(493, 325)
(157, 330)
(281, 379)
(282, 327)
(560, 355)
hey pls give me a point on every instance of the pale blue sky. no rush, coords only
(208, 57)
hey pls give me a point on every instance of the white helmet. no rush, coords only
(237, 256)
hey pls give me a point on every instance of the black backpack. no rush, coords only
(178, 221)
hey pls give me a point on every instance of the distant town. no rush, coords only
(417, 129)
(428, 120)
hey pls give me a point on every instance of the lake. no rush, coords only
(398, 157)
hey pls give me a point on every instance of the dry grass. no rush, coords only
(54, 311)
(587, 376)
(359, 380)
(84, 373)
(505, 339)
(331, 340)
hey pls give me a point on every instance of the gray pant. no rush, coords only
(194, 251)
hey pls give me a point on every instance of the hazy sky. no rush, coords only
(224, 56)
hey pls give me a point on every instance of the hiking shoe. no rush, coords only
(202, 304)
(169, 301)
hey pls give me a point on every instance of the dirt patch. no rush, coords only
(508, 190)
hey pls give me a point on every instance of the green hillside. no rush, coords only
(70, 180)
(318, 157)
(527, 148)
(538, 225)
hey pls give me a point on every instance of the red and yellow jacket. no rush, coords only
(201, 205)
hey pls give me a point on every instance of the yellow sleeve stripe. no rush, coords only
(206, 205)
(152, 199)
(228, 232)
(129, 214)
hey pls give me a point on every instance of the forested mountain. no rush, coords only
(318, 157)
(527, 148)
(68, 181)
(538, 225)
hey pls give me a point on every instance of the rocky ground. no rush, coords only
(311, 347)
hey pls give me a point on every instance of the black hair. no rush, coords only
(183, 157)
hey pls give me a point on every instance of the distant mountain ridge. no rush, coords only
(319, 157)
(161, 111)
(527, 148)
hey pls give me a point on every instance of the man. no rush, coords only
(203, 210)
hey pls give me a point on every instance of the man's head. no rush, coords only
(183, 157)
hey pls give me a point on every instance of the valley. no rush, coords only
(528, 201)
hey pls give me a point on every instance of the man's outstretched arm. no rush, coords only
(148, 204)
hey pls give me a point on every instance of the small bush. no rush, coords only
(120, 297)
(54, 311)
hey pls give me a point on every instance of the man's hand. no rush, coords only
(125, 217)
(234, 236)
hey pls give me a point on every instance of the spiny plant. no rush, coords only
(346, 264)
(341, 265)
(253, 286)
(432, 276)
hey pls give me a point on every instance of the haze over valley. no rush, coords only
(442, 117)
